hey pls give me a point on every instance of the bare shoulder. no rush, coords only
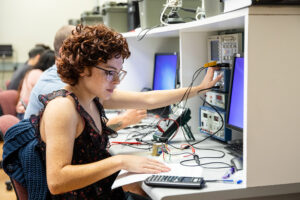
(35, 72)
(61, 108)
(59, 120)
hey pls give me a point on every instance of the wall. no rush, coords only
(140, 64)
(23, 23)
(272, 115)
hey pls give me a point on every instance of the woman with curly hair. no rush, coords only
(72, 127)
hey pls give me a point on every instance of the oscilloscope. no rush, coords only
(222, 48)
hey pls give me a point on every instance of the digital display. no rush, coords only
(236, 94)
(204, 115)
(214, 51)
(165, 70)
(219, 97)
(187, 179)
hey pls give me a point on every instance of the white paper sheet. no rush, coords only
(126, 177)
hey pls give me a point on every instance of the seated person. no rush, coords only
(74, 122)
(18, 75)
(46, 60)
(49, 81)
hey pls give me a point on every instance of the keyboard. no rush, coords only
(235, 149)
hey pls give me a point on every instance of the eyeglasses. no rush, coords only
(113, 75)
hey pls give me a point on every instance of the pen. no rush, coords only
(226, 181)
(119, 142)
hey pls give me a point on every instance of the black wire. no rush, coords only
(209, 163)
(204, 149)
(187, 92)
(185, 96)
(146, 30)
(135, 147)
(195, 76)
(184, 108)
(139, 134)
(217, 130)
(191, 84)
(178, 154)
(203, 164)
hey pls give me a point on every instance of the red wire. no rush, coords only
(193, 149)
(165, 119)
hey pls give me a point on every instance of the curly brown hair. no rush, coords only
(86, 47)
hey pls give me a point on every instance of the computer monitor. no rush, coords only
(6, 50)
(165, 71)
(164, 77)
(235, 108)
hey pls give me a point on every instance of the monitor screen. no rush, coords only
(6, 50)
(214, 50)
(235, 110)
(165, 70)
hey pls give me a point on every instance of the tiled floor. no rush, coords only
(4, 194)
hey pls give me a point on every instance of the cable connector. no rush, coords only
(215, 87)
(215, 64)
(210, 64)
(197, 160)
(223, 65)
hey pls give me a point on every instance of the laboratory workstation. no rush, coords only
(149, 99)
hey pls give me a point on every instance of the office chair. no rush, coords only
(8, 101)
(6, 121)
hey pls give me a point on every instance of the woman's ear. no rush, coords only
(86, 72)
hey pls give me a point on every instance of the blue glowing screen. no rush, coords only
(236, 104)
(165, 72)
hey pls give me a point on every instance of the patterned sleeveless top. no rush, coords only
(89, 147)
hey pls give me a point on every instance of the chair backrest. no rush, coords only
(8, 101)
(6, 121)
(21, 192)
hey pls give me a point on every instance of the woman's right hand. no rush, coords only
(139, 164)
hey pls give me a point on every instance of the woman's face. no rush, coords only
(105, 77)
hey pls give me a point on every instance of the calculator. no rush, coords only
(175, 181)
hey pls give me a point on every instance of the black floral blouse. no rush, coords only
(90, 146)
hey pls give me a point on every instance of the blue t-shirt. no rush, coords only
(48, 82)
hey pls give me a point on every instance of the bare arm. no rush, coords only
(59, 127)
(156, 99)
(129, 117)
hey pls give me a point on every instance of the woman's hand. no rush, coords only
(129, 117)
(133, 116)
(139, 164)
(20, 108)
(208, 80)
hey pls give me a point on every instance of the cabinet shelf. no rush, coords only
(271, 131)
(231, 20)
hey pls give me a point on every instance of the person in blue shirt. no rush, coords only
(49, 80)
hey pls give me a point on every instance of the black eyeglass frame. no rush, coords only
(112, 75)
